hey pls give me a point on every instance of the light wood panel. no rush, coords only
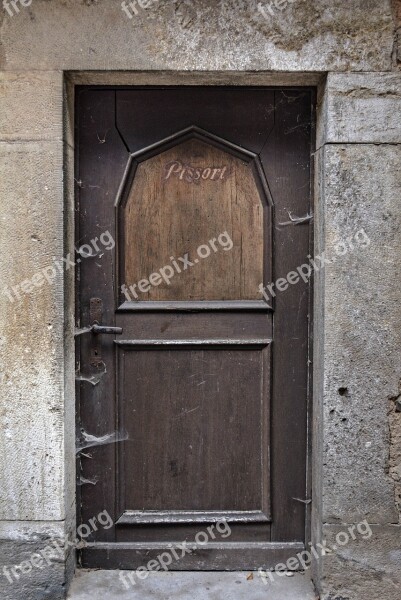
(180, 200)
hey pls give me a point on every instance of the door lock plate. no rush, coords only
(95, 316)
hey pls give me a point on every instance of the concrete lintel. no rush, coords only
(300, 36)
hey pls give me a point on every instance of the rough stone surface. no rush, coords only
(361, 190)
(37, 444)
(31, 330)
(397, 35)
(318, 438)
(395, 448)
(190, 586)
(31, 106)
(314, 35)
(20, 542)
(361, 108)
(364, 568)
(69, 465)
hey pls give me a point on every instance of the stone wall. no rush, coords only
(357, 380)
(352, 51)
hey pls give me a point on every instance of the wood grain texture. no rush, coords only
(241, 556)
(173, 209)
(194, 306)
(287, 162)
(195, 369)
(188, 412)
(99, 169)
(244, 117)
(151, 517)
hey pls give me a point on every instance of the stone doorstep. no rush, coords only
(190, 585)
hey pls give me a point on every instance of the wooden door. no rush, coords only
(192, 416)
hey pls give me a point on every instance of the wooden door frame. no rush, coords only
(242, 80)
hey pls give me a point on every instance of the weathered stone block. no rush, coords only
(31, 326)
(34, 562)
(364, 568)
(300, 36)
(395, 448)
(31, 106)
(397, 33)
(361, 190)
(361, 108)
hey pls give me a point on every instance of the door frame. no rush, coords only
(107, 80)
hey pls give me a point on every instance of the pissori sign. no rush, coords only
(193, 174)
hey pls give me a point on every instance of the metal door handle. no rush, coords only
(99, 329)
(96, 329)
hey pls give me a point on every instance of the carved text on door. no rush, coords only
(194, 174)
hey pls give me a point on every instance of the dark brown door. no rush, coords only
(192, 415)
